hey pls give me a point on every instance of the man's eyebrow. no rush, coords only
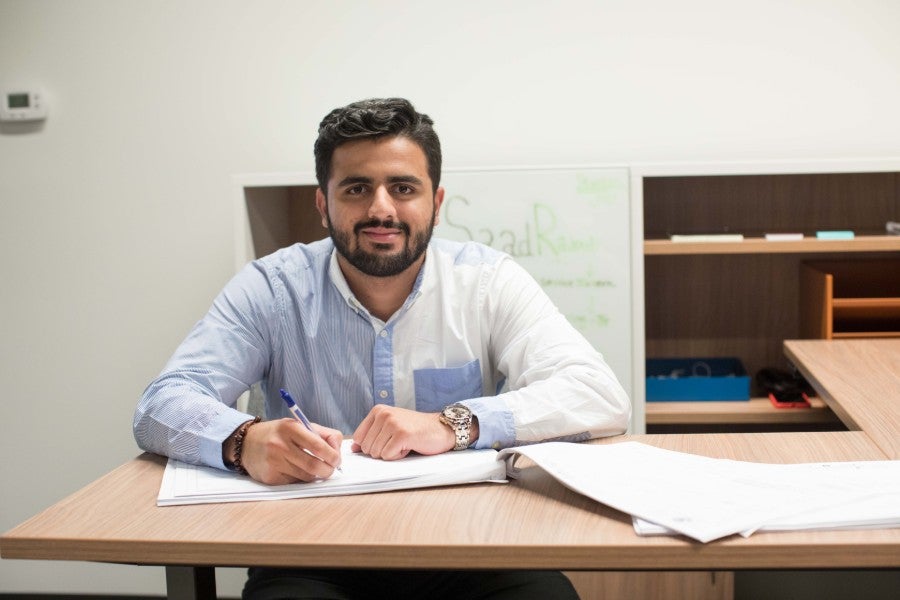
(352, 179)
(405, 179)
(357, 179)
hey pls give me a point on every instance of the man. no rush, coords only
(384, 333)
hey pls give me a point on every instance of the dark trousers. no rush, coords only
(346, 584)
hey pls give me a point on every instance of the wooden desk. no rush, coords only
(859, 380)
(533, 522)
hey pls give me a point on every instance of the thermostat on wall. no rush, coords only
(22, 105)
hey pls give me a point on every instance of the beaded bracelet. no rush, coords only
(239, 445)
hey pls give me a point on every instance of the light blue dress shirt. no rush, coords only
(474, 321)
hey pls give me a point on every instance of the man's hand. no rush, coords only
(390, 433)
(284, 451)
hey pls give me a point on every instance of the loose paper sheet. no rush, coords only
(706, 498)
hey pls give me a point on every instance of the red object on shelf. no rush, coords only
(804, 403)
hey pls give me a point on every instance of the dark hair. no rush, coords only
(372, 119)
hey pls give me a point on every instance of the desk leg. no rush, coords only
(191, 583)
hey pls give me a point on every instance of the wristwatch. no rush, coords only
(459, 418)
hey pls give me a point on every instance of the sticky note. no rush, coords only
(834, 235)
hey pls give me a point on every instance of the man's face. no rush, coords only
(380, 210)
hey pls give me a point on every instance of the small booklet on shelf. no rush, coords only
(708, 237)
(784, 237)
(835, 235)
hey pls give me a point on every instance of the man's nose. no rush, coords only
(382, 205)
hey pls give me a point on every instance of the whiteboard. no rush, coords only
(570, 228)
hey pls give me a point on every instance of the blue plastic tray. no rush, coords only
(681, 379)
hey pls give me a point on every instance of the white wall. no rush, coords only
(116, 215)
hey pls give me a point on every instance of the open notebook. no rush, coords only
(191, 484)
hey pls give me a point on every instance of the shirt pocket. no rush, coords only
(436, 388)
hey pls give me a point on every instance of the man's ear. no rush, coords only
(438, 200)
(322, 206)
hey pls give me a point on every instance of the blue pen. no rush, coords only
(298, 414)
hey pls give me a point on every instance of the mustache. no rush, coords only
(398, 225)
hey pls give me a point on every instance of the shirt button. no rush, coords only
(495, 445)
(383, 333)
(383, 393)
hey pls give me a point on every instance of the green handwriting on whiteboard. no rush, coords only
(583, 322)
(603, 189)
(538, 234)
(573, 282)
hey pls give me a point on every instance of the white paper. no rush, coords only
(191, 484)
(874, 512)
(706, 498)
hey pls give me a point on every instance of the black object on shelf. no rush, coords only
(785, 389)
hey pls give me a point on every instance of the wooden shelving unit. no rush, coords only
(744, 298)
(700, 299)
(810, 245)
(850, 299)
(756, 411)
(278, 216)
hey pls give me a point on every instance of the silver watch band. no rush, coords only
(459, 418)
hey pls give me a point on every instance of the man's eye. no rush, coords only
(356, 190)
(405, 189)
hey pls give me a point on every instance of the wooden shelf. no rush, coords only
(757, 411)
(808, 245)
(852, 335)
(850, 298)
(743, 298)
(855, 308)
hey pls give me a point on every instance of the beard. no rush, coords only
(382, 265)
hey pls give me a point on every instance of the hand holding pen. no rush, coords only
(272, 451)
(298, 414)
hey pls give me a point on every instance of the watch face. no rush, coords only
(457, 413)
(459, 418)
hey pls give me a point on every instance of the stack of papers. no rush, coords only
(191, 484)
(669, 492)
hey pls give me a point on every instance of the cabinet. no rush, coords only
(744, 298)
(850, 299)
(274, 211)
(738, 299)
